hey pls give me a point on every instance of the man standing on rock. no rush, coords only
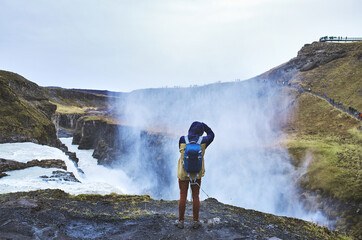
(186, 176)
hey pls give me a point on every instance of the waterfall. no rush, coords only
(245, 165)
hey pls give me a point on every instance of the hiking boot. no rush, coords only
(179, 224)
(196, 224)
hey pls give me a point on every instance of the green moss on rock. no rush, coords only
(24, 111)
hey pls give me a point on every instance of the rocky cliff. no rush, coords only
(89, 130)
(68, 121)
(117, 145)
(73, 104)
(65, 123)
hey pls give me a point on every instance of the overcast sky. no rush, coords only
(122, 45)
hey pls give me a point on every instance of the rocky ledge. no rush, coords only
(58, 175)
(10, 165)
(54, 214)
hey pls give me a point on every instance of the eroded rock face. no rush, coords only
(65, 123)
(116, 142)
(317, 54)
(89, 132)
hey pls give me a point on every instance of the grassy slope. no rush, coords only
(327, 137)
(340, 79)
(71, 109)
(331, 138)
(70, 101)
(19, 118)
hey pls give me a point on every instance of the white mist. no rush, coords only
(245, 166)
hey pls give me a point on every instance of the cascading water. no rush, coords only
(96, 179)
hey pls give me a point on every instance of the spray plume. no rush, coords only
(244, 165)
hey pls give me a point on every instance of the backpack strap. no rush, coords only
(187, 141)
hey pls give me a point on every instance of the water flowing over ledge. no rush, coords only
(92, 181)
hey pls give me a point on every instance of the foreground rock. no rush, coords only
(53, 214)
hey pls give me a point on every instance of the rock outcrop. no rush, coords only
(53, 214)
(68, 121)
(60, 176)
(89, 131)
(10, 165)
(65, 123)
(72, 155)
(309, 57)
